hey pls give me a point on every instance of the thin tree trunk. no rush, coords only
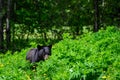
(1, 25)
(8, 36)
(96, 16)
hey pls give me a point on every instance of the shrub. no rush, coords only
(92, 56)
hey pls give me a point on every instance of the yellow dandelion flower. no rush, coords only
(104, 77)
(108, 76)
(28, 77)
(44, 74)
(1, 65)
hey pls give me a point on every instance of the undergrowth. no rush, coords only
(92, 56)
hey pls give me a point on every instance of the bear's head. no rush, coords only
(44, 51)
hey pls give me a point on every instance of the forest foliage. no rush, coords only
(92, 56)
(48, 20)
(84, 35)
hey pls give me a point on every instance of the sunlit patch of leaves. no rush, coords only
(92, 56)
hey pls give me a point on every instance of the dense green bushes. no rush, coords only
(92, 56)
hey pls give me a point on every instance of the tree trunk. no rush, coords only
(96, 16)
(1, 25)
(8, 36)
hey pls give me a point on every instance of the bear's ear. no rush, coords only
(39, 47)
(50, 46)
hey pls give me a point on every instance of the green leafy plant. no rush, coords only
(92, 56)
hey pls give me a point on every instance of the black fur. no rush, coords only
(39, 53)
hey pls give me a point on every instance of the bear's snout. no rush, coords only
(46, 56)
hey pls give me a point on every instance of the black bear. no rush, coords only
(39, 53)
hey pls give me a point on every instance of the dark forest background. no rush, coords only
(44, 22)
